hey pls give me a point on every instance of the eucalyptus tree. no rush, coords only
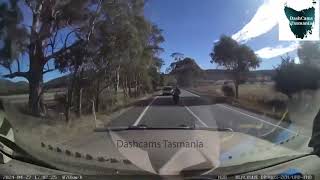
(124, 46)
(49, 33)
(309, 53)
(238, 58)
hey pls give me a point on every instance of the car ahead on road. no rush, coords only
(167, 91)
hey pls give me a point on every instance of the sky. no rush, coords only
(192, 27)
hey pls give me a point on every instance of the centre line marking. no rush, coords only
(144, 112)
(194, 115)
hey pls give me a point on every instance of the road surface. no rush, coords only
(195, 111)
(192, 111)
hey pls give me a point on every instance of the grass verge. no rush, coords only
(256, 107)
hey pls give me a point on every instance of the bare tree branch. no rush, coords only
(18, 65)
(16, 74)
(52, 43)
(28, 3)
(10, 69)
(48, 70)
(94, 21)
(48, 66)
(67, 37)
(61, 51)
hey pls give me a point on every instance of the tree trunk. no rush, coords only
(80, 103)
(117, 80)
(125, 87)
(70, 95)
(94, 112)
(69, 103)
(236, 85)
(136, 87)
(128, 85)
(36, 103)
(79, 89)
(35, 74)
(97, 101)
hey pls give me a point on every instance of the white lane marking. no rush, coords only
(144, 112)
(258, 119)
(194, 115)
(191, 93)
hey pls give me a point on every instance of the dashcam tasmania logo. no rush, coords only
(299, 20)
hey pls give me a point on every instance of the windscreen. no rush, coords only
(157, 87)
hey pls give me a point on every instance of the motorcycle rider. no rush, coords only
(175, 94)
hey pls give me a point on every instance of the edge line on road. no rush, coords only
(144, 112)
(258, 119)
(194, 115)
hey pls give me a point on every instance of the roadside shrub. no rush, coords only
(228, 91)
(292, 78)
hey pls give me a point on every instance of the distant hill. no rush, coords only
(216, 74)
(60, 82)
(220, 74)
(262, 73)
(8, 87)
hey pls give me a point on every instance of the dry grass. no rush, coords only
(250, 92)
(54, 128)
(209, 89)
(260, 93)
(256, 97)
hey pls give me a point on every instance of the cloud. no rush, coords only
(271, 52)
(262, 22)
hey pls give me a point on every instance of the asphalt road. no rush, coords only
(193, 110)
(196, 111)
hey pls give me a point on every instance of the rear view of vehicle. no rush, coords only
(167, 91)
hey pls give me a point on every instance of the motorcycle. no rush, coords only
(175, 98)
